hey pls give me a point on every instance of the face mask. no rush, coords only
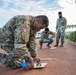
(60, 16)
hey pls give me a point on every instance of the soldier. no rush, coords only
(60, 28)
(45, 38)
(17, 38)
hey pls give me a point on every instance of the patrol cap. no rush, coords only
(59, 12)
(46, 29)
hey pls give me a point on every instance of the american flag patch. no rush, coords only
(26, 30)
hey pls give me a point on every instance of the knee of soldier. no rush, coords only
(62, 35)
(57, 36)
(41, 41)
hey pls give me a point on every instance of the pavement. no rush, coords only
(61, 61)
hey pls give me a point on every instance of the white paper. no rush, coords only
(40, 66)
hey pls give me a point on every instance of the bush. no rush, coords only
(73, 36)
(66, 36)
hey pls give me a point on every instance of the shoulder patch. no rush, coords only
(26, 30)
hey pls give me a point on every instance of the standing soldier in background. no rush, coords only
(60, 28)
(17, 38)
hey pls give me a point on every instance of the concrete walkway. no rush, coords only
(61, 61)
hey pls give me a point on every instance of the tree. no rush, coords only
(71, 26)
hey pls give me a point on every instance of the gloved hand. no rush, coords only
(27, 65)
(28, 62)
(37, 60)
(62, 29)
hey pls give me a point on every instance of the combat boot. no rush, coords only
(48, 46)
(61, 45)
(56, 45)
(40, 47)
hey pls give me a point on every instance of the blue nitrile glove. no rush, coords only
(49, 38)
(62, 29)
(25, 65)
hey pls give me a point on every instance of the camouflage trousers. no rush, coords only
(49, 41)
(58, 36)
(7, 47)
(15, 57)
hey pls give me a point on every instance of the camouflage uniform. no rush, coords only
(17, 38)
(45, 37)
(60, 27)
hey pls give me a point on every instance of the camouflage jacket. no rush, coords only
(18, 34)
(61, 22)
(46, 35)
